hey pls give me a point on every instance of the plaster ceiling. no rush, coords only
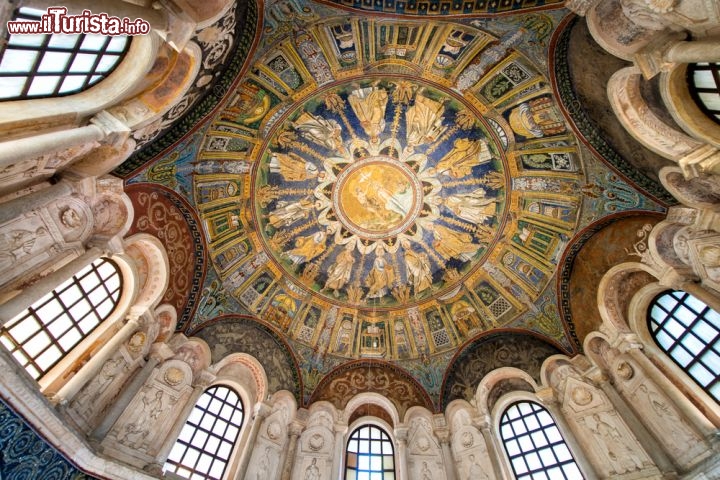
(387, 190)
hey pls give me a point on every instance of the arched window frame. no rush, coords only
(510, 399)
(240, 440)
(712, 70)
(45, 47)
(106, 327)
(688, 335)
(371, 422)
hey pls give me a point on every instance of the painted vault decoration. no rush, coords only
(389, 189)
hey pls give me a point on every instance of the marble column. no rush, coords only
(158, 354)
(261, 411)
(483, 424)
(32, 201)
(102, 127)
(45, 285)
(443, 434)
(294, 432)
(92, 367)
(704, 50)
(548, 400)
(338, 451)
(401, 436)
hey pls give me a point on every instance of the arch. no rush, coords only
(533, 443)
(152, 270)
(205, 444)
(357, 407)
(677, 96)
(247, 371)
(499, 382)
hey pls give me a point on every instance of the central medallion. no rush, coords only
(377, 197)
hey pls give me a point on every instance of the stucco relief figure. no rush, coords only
(286, 213)
(475, 471)
(418, 268)
(312, 472)
(474, 207)
(424, 121)
(93, 389)
(451, 244)
(668, 421)
(70, 218)
(292, 168)
(133, 436)
(464, 155)
(369, 107)
(263, 466)
(152, 407)
(327, 133)
(425, 472)
(109, 216)
(381, 276)
(621, 455)
(340, 271)
(18, 243)
(307, 248)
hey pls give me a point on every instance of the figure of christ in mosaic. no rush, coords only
(424, 122)
(369, 106)
(465, 155)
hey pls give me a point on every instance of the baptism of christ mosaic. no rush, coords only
(376, 188)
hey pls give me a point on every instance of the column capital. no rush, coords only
(203, 379)
(547, 396)
(295, 428)
(627, 342)
(161, 351)
(481, 421)
(443, 434)
(401, 434)
(261, 410)
(115, 130)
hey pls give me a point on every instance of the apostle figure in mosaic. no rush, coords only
(424, 121)
(369, 106)
(307, 248)
(473, 207)
(326, 133)
(451, 244)
(340, 271)
(465, 155)
(381, 277)
(292, 167)
(418, 268)
(287, 213)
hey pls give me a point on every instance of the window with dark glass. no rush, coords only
(369, 455)
(206, 442)
(50, 65)
(42, 335)
(704, 83)
(534, 445)
(689, 332)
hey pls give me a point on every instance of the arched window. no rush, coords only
(206, 442)
(704, 82)
(369, 455)
(44, 333)
(51, 65)
(689, 332)
(534, 445)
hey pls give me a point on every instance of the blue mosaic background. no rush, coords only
(24, 455)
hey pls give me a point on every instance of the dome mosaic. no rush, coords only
(391, 201)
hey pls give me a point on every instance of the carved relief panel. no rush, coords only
(424, 455)
(471, 454)
(140, 432)
(267, 455)
(315, 453)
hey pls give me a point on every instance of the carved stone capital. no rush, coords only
(261, 411)
(161, 351)
(443, 434)
(203, 379)
(116, 132)
(704, 160)
(652, 59)
(547, 396)
(295, 429)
